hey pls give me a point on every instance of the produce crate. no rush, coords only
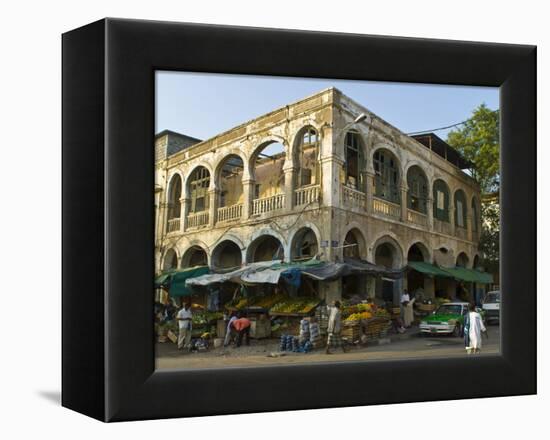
(260, 328)
(351, 332)
(375, 328)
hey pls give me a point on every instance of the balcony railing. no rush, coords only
(461, 232)
(173, 225)
(308, 194)
(268, 204)
(417, 217)
(386, 208)
(353, 198)
(230, 213)
(442, 227)
(197, 219)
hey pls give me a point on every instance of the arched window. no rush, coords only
(441, 201)
(198, 189)
(354, 165)
(170, 260)
(417, 195)
(461, 209)
(174, 196)
(386, 177)
(307, 158)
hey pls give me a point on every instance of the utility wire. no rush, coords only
(438, 129)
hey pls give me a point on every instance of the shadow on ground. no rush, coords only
(51, 396)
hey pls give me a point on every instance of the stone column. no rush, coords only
(452, 219)
(212, 206)
(331, 290)
(183, 215)
(430, 213)
(290, 186)
(185, 208)
(248, 196)
(371, 188)
(404, 191)
(371, 286)
(330, 181)
(469, 225)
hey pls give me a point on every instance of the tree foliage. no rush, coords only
(478, 141)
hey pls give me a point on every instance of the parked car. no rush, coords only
(491, 306)
(447, 319)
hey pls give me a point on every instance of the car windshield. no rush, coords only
(448, 309)
(492, 298)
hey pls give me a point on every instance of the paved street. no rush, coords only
(258, 353)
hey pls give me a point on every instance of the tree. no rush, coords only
(478, 141)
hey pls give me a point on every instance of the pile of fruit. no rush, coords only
(294, 305)
(203, 318)
(238, 303)
(357, 309)
(358, 316)
(266, 302)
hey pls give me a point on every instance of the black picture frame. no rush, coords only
(108, 217)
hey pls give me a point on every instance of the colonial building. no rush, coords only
(322, 177)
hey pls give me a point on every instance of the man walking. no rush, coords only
(184, 318)
(335, 328)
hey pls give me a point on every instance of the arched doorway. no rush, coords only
(230, 186)
(194, 256)
(306, 157)
(462, 260)
(174, 205)
(354, 164)
(197, 189)
(269, 178)
(265, 248)
(387, 254)
(226, 255)
(417, 282)
(386, 176)
(170, 260)
(304, 245)
(417, 195)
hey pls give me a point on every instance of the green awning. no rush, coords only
(174, 280)
(469, 275)
(428, 269)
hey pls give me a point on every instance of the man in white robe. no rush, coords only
(475, 328)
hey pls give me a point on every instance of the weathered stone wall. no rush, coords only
(331, 114)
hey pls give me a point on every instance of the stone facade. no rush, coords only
(337, 187)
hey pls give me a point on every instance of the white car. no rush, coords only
(491, 306)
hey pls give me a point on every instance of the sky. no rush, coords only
(202, 105)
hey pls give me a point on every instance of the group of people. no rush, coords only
(238, 327)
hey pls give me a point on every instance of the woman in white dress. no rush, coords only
(475, 328)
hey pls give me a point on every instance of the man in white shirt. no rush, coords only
(184, 318)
